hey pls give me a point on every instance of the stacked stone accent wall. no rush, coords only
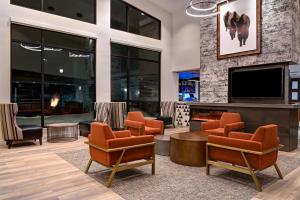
(280, 43)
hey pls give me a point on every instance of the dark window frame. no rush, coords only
(127, 20)
(128, 58)
(43, 10)
(42, 44)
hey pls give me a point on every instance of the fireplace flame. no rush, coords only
(54, 101)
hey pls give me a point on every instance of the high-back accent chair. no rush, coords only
(10, 129)
(112, 149)
(138, 125)
(228, 122)
(244, 152)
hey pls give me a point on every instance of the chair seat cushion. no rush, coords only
(31, 131)
(217, 131)
(151, 131)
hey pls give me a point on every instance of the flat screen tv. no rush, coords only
(257, 83)
(186, 86)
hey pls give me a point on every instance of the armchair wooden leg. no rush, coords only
(115, 169)
(41, 141)
(256, 181)
(207, 165)
(9, 143)
(88, 166)
(278, 171)
(153, 158)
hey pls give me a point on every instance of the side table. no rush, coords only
(62, 132)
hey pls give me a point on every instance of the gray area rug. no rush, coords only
(173, 181)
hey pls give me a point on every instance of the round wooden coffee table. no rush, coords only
(188, 148)
(62, 132)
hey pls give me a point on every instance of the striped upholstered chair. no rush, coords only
(10, 129)
(167, 112)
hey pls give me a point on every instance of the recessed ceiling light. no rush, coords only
(61, 71)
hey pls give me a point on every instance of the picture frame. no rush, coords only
(239, 28)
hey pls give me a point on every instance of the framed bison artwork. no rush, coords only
(239, 28)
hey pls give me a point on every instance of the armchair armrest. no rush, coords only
(108, 150)
(210, 125)
(122, 134)
(133, 124)
(235, 126)
(234, 144)
(130, 142)
(154, 123)
(240, 135)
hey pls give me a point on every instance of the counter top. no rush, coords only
(245, 105)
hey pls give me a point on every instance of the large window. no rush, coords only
(135, 78)
(83, 10)
(125, 17)
(53, 76)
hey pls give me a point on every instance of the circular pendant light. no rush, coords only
(202, 8)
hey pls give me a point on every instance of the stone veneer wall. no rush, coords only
(280, 43)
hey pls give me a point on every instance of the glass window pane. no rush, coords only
(119, 50)
(144, 54)
(143, 24)
(34, 4)
(69, 86)
(118, 15)
(26, 34)
(149, 109)
(83, 10)
(26, 82)
(68, 41)
(118, 79)
(136, 78)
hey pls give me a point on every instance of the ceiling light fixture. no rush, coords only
(203, 8)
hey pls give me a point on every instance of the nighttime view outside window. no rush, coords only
(135, 78)
(53, 71)
(83, 10)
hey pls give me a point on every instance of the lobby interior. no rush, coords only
(150, 100)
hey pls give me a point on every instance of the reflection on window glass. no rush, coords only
(34, 4)
(294, 96)
(69, 77)
(26, 80)
(83, 10)
(295, 85)
(125, 17)
(135, 78)
(142, 24)
(118, 15)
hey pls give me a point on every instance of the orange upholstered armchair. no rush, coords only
(114, 149)
(228, 122)
(244, 152)
(138, 125)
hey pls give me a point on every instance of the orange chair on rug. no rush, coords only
(244, 152)
(228, 122)
(114, 149)
(138, 125)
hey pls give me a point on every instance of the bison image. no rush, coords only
(242, 25)
(237, 24)
(229, 21)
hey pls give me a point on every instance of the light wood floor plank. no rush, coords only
(37, 172)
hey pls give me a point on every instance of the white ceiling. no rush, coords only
(170, 5)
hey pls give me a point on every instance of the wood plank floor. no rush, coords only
(37, 172)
